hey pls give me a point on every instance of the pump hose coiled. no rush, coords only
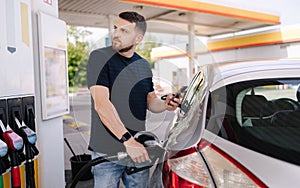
(90, 164)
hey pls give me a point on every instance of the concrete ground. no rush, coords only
(79, 146)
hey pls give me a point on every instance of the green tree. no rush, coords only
(144, 49)
(78, 51)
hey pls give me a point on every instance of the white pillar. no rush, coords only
(110, 21)
(191, 51)
(50, 132)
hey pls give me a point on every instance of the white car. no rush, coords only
(237, 128)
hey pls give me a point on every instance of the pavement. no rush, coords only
(79, 147)
(77, 132)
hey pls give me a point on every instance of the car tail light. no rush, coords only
(227, 172)
(186, 169)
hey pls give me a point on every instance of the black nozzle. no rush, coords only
(3, 114)
(16, 114)
(28, 112)
(154, 149)
(14, 110)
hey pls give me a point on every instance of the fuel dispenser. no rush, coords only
(27, 132)
(3, 152)
(4, 162)
(17, 140)
(15, 148)
(21, 111)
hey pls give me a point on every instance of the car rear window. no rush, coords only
(261, 115)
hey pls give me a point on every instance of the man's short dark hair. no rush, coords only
(134, 17)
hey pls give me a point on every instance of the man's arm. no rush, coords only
(110, 118)
(157, 105)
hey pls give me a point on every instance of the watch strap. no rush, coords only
(125, 137)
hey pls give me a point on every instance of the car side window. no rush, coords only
(263, 116)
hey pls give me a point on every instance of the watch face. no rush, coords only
(125, 137)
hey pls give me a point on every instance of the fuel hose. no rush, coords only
(151, 143)
(93, 162)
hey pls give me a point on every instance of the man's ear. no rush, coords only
(139, 38)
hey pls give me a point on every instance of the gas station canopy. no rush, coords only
(207, 19)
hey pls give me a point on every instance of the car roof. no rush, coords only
(228, 73)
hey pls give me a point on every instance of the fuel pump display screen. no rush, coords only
(55, 80)
(55, 72)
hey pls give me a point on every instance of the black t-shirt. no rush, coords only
(129, 81)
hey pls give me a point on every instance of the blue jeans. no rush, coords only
(109, 174)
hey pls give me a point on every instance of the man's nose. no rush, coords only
(116, 33)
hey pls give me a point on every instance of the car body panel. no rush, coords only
(273, 172)
(225, 74)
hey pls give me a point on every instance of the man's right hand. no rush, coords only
(136, 151)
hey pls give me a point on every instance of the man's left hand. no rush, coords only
(171, 102)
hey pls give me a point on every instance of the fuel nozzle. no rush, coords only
(152, 144)
(154, 148)
(3, 148)
(29, 137)
(26, 133)
(4, 164)
(15, 146)
(13, 141)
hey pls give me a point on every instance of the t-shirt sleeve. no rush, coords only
(150, 79)
(103, 77)
(151, 85)
(96, 66)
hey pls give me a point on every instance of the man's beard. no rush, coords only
(122, 50)
(126, 49)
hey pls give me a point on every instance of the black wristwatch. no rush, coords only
(125, 137)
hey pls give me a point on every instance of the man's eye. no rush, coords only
(124, 31)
